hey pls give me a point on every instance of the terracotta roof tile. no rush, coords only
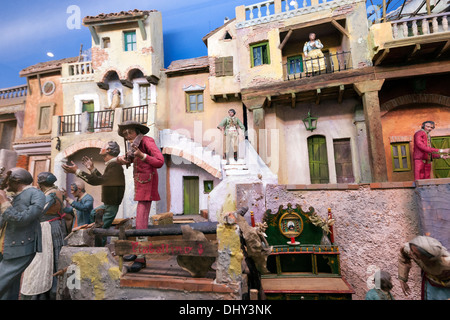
(45, 66)
(187, 64)
(116, 16)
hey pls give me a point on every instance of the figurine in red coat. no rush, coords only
(423, 153)
(146, 158)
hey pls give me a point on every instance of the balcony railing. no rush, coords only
(100, 120)
(78, 71)
(298, 68)
(273, 10)
(419, 26)
(91, 121)
(13, 92)
(70, 123)
(139, 113)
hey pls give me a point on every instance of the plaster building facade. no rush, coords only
(115, 81)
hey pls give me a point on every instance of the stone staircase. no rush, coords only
(174, 143)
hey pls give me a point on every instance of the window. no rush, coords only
(401, 159)
(48, 88)
(130, 40)
(260, 54)
(295, 64)
(224, 66)
(106, 43)
(208, 186)
(194, 101)
(227, 36)
(44, 124)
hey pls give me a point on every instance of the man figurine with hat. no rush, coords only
(146, 157)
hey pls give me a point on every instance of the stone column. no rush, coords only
(361, 142)
(368, 90)
(256, 128)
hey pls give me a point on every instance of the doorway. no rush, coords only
(191, 195)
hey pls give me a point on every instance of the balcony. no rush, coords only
(99, 121)
(420, 26)
(298, 68)
(411, 40)
(274, 10)
(77, 72)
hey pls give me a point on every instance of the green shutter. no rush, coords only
(318, 159)
(441, 167)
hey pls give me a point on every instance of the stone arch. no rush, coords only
(134, 72)
(193, 159)
(82, 145)
(419, 98)
(111, 74)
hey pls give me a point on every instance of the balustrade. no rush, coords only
(420, 26)
(13, 92)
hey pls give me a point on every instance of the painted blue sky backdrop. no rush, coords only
(30, 29)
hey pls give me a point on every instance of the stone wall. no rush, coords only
(373, 221)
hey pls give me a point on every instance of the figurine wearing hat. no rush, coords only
(146, 157)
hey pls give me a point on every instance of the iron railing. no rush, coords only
(70, 123)
(139, 114)
(101, 120)
(298, 68)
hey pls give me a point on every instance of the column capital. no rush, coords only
(252, 103)
(368, 86)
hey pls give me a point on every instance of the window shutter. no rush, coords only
(228, 66)
(219, 67)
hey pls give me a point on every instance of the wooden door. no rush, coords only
(343, 160)
(191, 195)
(318, 159)
(38, 164)
(441, 167)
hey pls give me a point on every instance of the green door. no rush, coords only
(89, 107)
(441, 167)
(191, 195)
(318, 159)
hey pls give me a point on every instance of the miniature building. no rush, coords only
(44, 100)
(112, 81)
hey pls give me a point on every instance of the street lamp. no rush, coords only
(310, 122)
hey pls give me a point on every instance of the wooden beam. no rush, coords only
(213, 97)
(39, 82)
(225, 96)
(126, 83)
(444, 48)
(340, 28)
(382, 56)
(269, 102)
(281, 46)
(341, 93)
(318, 94)
(142, 28)
(293, 100)
(94, 35)
(414, 51)
(312, 23)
